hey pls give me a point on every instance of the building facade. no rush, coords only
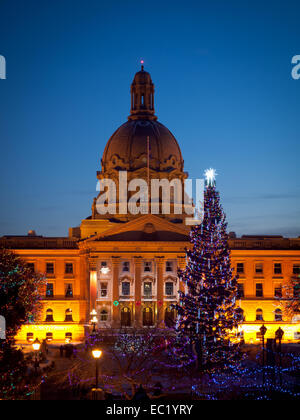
(124, 266)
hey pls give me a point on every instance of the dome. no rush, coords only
(128, 147)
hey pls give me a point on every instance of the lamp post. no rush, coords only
(263, 331)
(36, 345)
(94, 319)
(96, 355)
(279, 334)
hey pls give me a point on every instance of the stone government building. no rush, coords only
(125, 267)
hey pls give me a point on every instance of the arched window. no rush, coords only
(49, 337)
(259, 315)
(126, 317)
(68, 337)
(170, 317)
(278, 315)
(69, 315)
(240, 314)
(104, 315)
(147, 317)
(49, 315)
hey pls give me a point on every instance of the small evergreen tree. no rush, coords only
(207, 312)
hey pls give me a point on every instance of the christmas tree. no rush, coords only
(207, 313)
(21, 292)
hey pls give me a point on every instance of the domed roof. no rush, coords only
(128, 147)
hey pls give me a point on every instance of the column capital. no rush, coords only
(137, 260)
(115, 260)
(159, 260)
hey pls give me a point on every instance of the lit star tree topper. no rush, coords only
(210, 176)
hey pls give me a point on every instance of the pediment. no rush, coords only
(148, 223)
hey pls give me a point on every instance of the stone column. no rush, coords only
(115, 292)
(137, 291)
(181, 263)
(93, 289)
(160, 261)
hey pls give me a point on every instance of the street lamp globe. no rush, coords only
(36, 345)
(97, 353)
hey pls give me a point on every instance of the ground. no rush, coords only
(74, 377)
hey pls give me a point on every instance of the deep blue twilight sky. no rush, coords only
(222, 71)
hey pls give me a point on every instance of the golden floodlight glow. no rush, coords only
(93, 313)
(97, 354)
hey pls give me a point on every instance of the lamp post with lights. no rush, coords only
(97, 353)
(263, 330)
(36, 345)
(279, 334)
(94, 319)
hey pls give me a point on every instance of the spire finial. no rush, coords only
(142, 65)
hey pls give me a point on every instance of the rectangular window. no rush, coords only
(49, 290)
(69, 268)
(296, 269)
(50, 268)
(31, 266)
(69, 290)
(296, 291)
(126, 267)
(259, 268)
(240, 291)
(169, 266)
(240, 268)
(125, 288)
(147, 266)
(103, 289)
(169, 288)
(278, 291)
(277, 268)
(147, 288)
(259, 290)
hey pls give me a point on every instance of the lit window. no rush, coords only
(259, 315)
(240, 314)
(259, 290)
(49, 316)
(169, 288)
(69, 268)
(240, 268)
(30, 337)
(125, 288)
(31, 266)
(147, 288)
(49, 290)
(147, 266)
(50, 268)
(125, 266)
(278, 315)
(240, 291)
(69, 290)
(49, 337)
(277, 268)
(103, 315)
(69, 315)
(296, 269)
(278, 291)
(169, 266)
(103, 289)
(69, 337)
(259, 268)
